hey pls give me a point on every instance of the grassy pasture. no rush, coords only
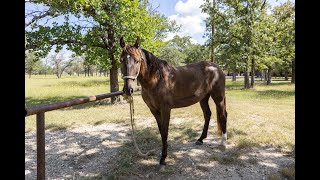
(263, 116)
(259, 117)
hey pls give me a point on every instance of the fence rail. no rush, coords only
(68, 103)
(40, 112)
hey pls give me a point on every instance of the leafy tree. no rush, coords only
(174, 51)
(104, 22)
(211, 8)
(227, 56)
(284, 15)
(196, 52)
(77, 64)
(41, 68)
(171, 55)
(32, 62)
(180, 43)
(60, 64)
(275, 40)
(234, 31)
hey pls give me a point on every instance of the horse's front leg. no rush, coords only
(165, 117)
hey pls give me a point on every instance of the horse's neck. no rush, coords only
(150, 75)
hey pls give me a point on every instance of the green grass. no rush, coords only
(262, 116)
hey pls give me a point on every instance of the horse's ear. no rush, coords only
(122, 43)
(137, 44)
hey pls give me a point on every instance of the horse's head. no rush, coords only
(131, 59)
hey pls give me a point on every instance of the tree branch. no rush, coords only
(48, 13)
(263, 5)
(69, 63)
(68, 41)
(105, 41)
(72, 41)
(31, 1)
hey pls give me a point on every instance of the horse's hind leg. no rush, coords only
(207, 114)
(220, 102)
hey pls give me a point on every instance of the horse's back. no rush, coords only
(192, 82)
(202, 69)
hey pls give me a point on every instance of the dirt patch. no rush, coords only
(91, 152)
(85, 151)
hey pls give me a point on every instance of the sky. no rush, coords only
(186, 13)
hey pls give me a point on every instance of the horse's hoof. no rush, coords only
(162, 168)
(199, 142)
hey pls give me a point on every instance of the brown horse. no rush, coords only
(165, 87)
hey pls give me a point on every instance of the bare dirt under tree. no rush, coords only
(93, 152)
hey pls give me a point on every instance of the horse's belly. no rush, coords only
(186, 101)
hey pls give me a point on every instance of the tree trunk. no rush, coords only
(286, 75)
(261, 75)
(110, 45)
(265, 75)
(212, 49)
(293, 79)
(114, 84)
(246, 80)
(57, 73)
(269, 76)
(91, 71)
(246, 77)
(234, 75)
(212, 33)
(252, 72)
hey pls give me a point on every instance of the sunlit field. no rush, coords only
(260, 116)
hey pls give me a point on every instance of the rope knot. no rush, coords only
(128, 98)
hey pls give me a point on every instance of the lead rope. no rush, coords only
(130, 100)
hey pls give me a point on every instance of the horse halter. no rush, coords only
(130, 77)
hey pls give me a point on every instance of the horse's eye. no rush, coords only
(135, 61)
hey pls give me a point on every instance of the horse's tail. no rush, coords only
(221, 121)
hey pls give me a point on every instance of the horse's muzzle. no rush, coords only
(128, 91)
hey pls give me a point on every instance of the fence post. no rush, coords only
(40, 147)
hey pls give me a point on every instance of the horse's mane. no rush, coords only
(154, 63)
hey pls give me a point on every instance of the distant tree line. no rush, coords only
(58, 65)
(251, 37)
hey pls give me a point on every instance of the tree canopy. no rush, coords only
(250, 36)
(94, 27)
